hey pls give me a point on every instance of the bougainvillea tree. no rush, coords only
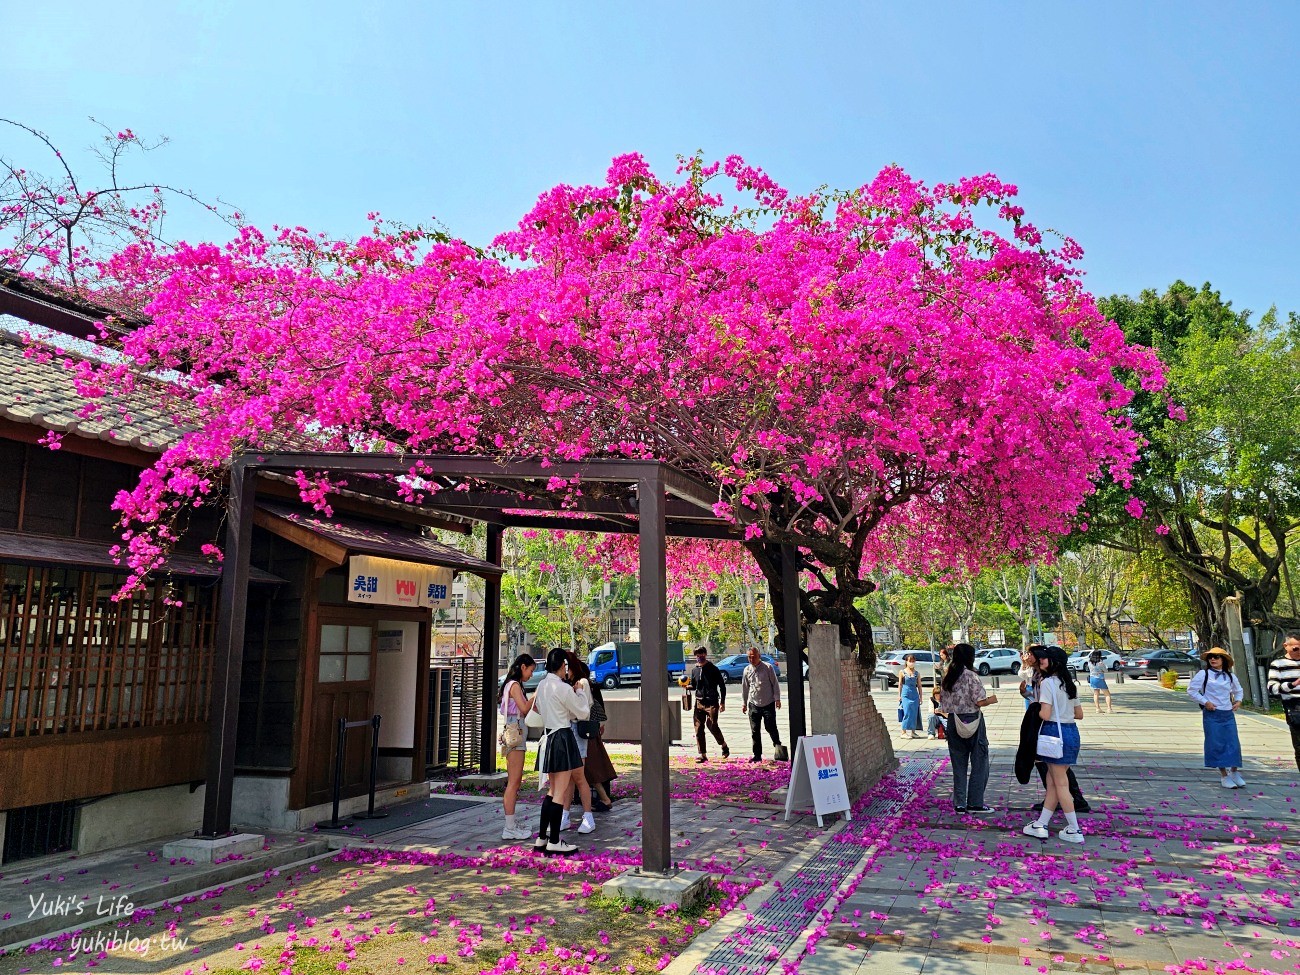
(897, 375)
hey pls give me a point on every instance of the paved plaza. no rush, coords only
(1175, 869)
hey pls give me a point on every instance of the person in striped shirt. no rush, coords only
(1284, 682)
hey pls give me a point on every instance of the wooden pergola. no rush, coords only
(648, 498)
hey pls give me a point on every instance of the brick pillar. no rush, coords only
(842, 705)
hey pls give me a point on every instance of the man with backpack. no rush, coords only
(709, 687)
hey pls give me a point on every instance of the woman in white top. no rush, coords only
(513, 706)
(1059, 708)
(1219, 693)
(557, 705)
(580, 679)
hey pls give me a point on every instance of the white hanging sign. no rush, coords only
(817, 778)
(391, 582)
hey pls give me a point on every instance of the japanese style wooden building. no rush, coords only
(105, 704)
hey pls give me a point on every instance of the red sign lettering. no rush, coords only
(824, 756)
(405, 587)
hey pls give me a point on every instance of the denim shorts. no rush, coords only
(1069, 742)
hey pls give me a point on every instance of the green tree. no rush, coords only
(1219, 492)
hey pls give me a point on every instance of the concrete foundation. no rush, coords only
(135, 817)
(263, 802)
(841, 704)
(495, 782)
(683, 890)
(204, 850)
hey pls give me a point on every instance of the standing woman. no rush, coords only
(558, 704)
(597, 767)
(1219, 693)
(580, 678)
(1059, 711)
(1097, 681)
(909, 697)
(513, 706)
(962, 696)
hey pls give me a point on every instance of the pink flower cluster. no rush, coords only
(876, 373)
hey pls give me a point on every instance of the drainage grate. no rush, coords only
(35, 831)
(779, 921)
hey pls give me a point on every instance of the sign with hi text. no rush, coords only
(390, 582)
(817, 778)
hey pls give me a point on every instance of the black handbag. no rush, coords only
(588, 728)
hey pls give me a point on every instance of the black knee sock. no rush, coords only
(557, 814)
(546, 817)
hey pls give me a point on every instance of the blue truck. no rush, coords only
(614, 664)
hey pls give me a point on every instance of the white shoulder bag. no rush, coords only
(1049, 747)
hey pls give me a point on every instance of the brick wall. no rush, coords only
(842, 705)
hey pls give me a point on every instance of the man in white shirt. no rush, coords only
(760, 696)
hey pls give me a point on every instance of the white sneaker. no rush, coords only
(560, 848)
(1033, 829)
(517, 833)
(1071, 835)
(564, 822)
(1236, 777)
(588, 824)
(1228, 782)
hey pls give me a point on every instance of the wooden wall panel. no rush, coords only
(82, 766)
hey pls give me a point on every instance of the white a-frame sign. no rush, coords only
(817, 778)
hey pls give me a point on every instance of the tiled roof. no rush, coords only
(364, 538)
(43, 394)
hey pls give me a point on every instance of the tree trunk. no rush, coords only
(831, 604)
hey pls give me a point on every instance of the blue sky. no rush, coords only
(1162, 136)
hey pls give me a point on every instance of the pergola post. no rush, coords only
(794, 666)
(223, 701)
(491, 653)
(656, 853)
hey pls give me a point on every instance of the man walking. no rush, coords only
(760, 696)
(710, 689)
(1284, 683)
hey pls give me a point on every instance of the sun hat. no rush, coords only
(1217, 652)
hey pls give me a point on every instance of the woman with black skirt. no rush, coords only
(557, 757)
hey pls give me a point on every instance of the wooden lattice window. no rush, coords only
(73, 659)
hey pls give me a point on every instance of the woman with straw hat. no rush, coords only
(1219, 693)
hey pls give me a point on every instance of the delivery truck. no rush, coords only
(615, 664)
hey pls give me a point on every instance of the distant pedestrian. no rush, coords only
(1028, 678)
(709, 688)
(962, 696)
(1284, 683)
(1097, 681)
(909, 698)
(942, 664)
(513, 706)
(760, 698)
(1060, 711)
(557, 704)
(1219, 693)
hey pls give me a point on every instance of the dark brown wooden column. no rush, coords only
(491, 653)
(656, 849)
(232, 605)
(794, 665)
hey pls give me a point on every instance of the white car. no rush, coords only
(1078, 662)
(891, 665)
(997, 660)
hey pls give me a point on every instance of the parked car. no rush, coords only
(530, 685)
(891, 665)
(733, 667)
(996, 660)
(1150, 663)
(1078, 662)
